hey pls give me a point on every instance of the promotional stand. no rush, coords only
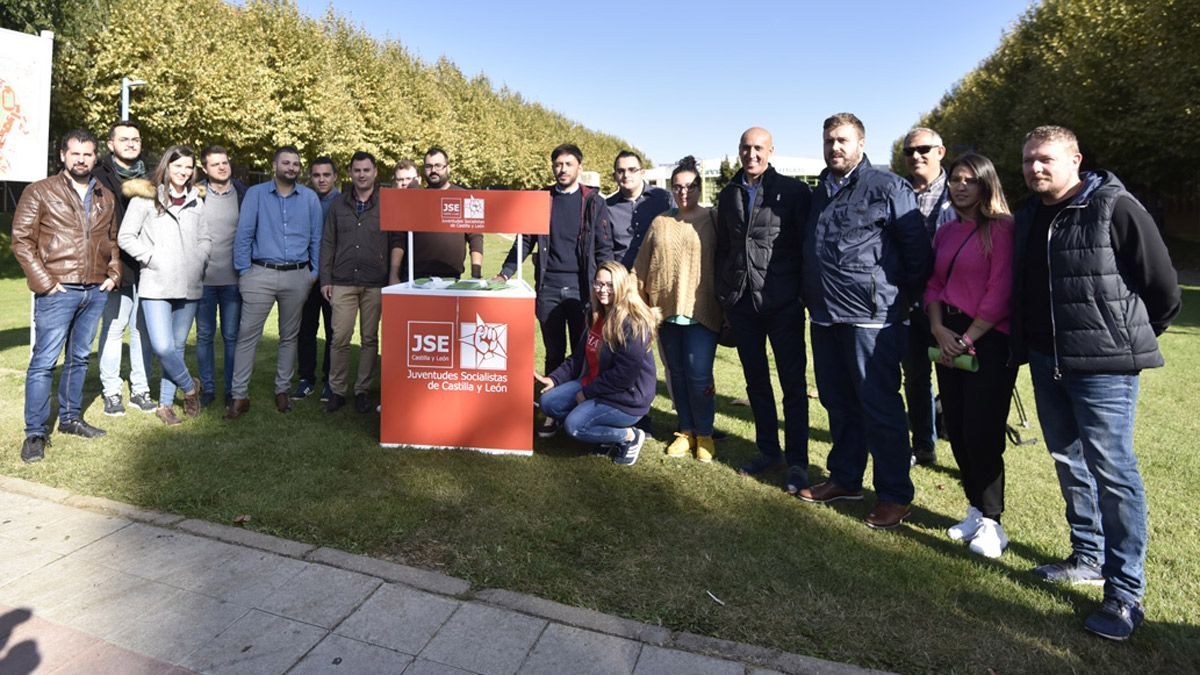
(457, 363)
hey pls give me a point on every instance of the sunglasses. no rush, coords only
(910, 150)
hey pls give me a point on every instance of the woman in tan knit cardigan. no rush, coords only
(675, 274)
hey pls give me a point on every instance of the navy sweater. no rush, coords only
(627, 379)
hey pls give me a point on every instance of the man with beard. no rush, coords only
(122, 310)
(436, 254)
(64, 236)
(223, 199)
(580, 239)
(866, 256)
(1093, 287)
(276, 253)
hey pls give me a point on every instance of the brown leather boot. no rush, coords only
(191, 403)
(237, 408)
(167, 414)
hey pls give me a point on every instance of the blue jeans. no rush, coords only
(1087, 421)
(168, 322)
(229, 300)
(121, 311)
(59, 319)
(918, 383)
(858, 377)
(590, 421)
(689, 352)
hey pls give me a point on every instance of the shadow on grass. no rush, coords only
(649, 542)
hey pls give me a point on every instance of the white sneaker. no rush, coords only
(990, 541)
(965, 530)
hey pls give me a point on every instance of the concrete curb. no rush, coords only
(441, 584)
(236, 535)
(433, 582)
(575, 616)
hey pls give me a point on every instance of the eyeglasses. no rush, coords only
(602, 286)
(684, 188)
(435, 167)
(909, 150)
(963, 182)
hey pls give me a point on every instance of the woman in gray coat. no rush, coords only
(164, 232)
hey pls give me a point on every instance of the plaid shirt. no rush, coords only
(928, 199)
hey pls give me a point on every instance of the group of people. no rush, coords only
(899, 277)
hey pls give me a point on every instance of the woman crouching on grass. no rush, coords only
(967, 299)
(609, 381)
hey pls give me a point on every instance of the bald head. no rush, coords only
(755, 150)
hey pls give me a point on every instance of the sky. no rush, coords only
(688, 78)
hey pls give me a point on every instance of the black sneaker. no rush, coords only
(923, 456)
(326, 393)
(362, 404)
(77, 427)
(142, 401)
(113, 407)
(34, 448)
(207, 398)
(335, 402)
(548, 429)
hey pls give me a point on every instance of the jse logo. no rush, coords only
(431, 344)
(451, 207)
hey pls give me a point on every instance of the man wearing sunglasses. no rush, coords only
(923, 153)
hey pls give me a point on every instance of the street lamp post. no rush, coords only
(126, 85)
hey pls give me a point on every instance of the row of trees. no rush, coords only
(262, 75)
(1123, 74)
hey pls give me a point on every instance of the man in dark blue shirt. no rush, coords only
(322, 176)
(275, 253)
(632, 207)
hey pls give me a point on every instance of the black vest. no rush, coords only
(1100, 324)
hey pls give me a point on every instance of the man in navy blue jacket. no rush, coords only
(866, 253)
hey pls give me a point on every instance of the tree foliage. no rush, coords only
(262, 75)
(1122, 74)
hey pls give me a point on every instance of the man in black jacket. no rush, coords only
(1093, 287)
(124, 162)
(580, 239)
(760, 215)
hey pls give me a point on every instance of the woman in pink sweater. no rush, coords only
(967, 300)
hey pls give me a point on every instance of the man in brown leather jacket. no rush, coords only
(64, 235)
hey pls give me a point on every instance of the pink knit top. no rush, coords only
(980, 286)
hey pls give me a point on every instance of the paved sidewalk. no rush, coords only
(90, 585)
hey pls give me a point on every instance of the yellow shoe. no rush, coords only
(681, 446)
(705, 449)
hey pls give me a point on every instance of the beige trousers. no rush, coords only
(367, 304)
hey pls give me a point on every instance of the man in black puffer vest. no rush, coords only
(1093, 287)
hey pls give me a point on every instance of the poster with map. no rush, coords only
(24, 104)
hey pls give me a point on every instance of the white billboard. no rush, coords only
(24, 104)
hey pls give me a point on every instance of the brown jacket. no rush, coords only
(56, 242)
(354, 251)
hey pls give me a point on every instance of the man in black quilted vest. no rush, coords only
(1093, 287)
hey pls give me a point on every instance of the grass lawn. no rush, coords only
(652, 541)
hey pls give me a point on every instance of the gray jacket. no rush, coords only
(171, 247)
